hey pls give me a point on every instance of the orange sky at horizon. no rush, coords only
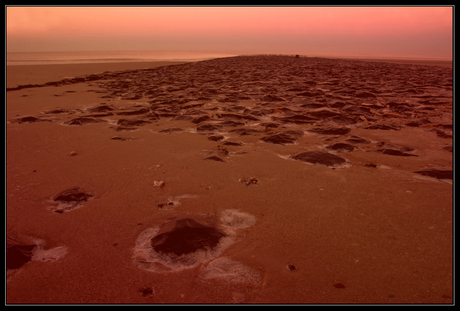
(391, 30)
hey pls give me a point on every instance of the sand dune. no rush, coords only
(251, 179)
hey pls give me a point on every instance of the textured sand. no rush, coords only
(370, 231)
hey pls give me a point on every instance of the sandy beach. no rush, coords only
(301, 181)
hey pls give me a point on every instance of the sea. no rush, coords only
(85, 57)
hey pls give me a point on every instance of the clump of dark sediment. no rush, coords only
(188, 240)
(287, 137)
(343, 147)
(83, 120)
(439, 174)
(330, 130)
(18, 253)
(214, 158)
(395, 150)
(185, 236)
(30, 119)
(172, 130)
(272, 97)
(320, 158)
(70, 199)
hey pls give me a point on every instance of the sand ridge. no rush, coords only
(310, 147)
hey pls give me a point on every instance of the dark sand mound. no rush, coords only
(102, 108)
(320, 158)
(439, 174)
(330, 130)
(214, 158)
(71, 199)
(288, 137)
(82, 121)
(30, 119)
(395, 152)
(357, 140)
(186, 236)
(341, 147)
(17, 254)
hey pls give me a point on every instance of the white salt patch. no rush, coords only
(429, 178)
(145, 257)
(48, 255)
(225, 269)
(235, 219)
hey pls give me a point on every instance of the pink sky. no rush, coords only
(384, 30)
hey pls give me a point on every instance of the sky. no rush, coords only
(424, 31)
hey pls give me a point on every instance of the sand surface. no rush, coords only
(223, 142)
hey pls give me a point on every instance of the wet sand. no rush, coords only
(327, 181)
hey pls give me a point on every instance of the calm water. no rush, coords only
(27, 58)
(80, 57)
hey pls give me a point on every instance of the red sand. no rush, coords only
(346, 235)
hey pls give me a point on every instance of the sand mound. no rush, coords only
(187, 241)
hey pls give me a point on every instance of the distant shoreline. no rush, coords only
(423, 62)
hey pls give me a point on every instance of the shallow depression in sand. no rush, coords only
(188, 241)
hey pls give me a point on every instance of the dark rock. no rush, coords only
(382, 127)
(270, 125)
(172, 130)
(357, 140)
(17, 254)
(147, 291)
(82, 121)
(442, 134)
(201, 119)
(185, 236)
(313, 93)
(73, 195)
(120, 138)
(439, 174)
(419, 122)
(371, 165)
(272, 98)
(341, 147)
(132, 122)
(102, 108)
(298, 119)
(29, 119)
(357, 110)
(396, 153)
(214, 158)
(243, 131)
(236, 116)
(231, 123)
(216, 137)
(312, 105)
(207, 127)
(94, 77)
(323, 113)
(134, 112)
(319, 158)
(365, 95)
(232, 143)
(344, 120)
(328, 130)
(58, 111)
(288, 137)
